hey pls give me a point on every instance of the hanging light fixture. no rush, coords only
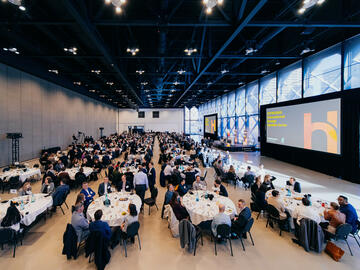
(117, 4)
(210, 4)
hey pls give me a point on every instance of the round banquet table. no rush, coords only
(205, 209)
(115, 213)
(31, 209)
(294, 200)
(73, 171)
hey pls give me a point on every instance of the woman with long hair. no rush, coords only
(12, 218)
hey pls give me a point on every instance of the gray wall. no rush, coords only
(46, 114)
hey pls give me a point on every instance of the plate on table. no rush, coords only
(123, 199)
(298, 198)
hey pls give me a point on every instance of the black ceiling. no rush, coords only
(162, 29)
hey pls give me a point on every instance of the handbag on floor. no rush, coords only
(334, 251)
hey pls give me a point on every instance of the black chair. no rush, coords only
(152, 200)
(256, 208)
(13, 183)
(223, 232)
(131, 231)
(203, 177)
(356, 233)
(247, 229)
(198, 236)
(6, 169)
(9, 236)
(273, 216)
(342, 232)
(63, 201)
(36, 166)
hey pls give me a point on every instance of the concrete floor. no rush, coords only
(43, 244)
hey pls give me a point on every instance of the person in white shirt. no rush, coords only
(305, 211)
(198, 184)
(220, 218)
(168, 170)
(278, 203)
(141, 183)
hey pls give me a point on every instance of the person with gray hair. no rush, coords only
(220, 218)
(79, 222)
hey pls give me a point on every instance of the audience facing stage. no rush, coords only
(270, 250)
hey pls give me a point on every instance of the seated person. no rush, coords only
(104, 187)
(131, 218)
(48, 186)
(80, 176)
(278, 203)
(249, 177)
(294, 184)
(80, 223)
(178, 208)
(125, 185)
(89, 194)
(169, 193)
(240, 221)
(260, 197)
(198, 184)
(100, 226)
(268, 183)
(60, 193)
(64, 175)
(334, 218)
(219, 188)
(349, 211)
(26, 189)
(220, 218)
(182, 188)
(256, 185)
(189, 176)
(231, 175)
(12, 218)
(305, 211)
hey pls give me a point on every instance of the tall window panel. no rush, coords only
(252, 98)
(253, 130)
(352, 63)
(224, 106)
(290, 82)
(231, 123)
(240, 128)
(192, 124)
(267, 93)
(231, 104)
(218, 106)
(322, 72)
(240, 101)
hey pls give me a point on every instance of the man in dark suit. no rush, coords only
(125, 184)
(60, 193)
(89, 194)
(296, 185)
(240, 221)
(151, 176)
(105, 187)
(220, 188)
(100, 226)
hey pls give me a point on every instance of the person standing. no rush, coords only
(151, 176)
(141, 184)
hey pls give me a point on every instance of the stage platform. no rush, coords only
(235, 147)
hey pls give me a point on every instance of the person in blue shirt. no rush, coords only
(89, 194)
(182, 189)
(349, 211)
(100, 226)
(60, 193)
(169, 193)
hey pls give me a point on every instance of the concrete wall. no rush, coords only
(170, 120)
(46, 114)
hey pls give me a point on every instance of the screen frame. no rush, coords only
(263, 127)
(210, 135)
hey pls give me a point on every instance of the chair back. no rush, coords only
(343, 231)
(154, 193)
(7, 235)
(223, 231)
(204, 177)
(14, 181)
(36, 166)
(133, 229)
(273, 212)
(249, 225)
(6, 169)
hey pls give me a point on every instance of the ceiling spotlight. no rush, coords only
(209, 83)
(250, 51)
(54, 71)
(173, 90)
(176, 83)
(12, 49)
(308, 4)
(181, 71)
(107, 1)
(306, 50)
(277, 63)
(118, 91)
(144, 83)
(77, 83)
(264, 71)
(190, 51)
(102, 96)
(118, 10)
(140, 72)
(240, 83)
(224, 71)
(133, 51)
(208, 10)
(22, 8)
(92, 90)
(72, 50)
(97, 71)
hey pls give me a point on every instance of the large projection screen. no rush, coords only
(211, 126)
(314, 126)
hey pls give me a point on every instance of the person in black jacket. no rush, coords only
(240, 221)
(104, 187)
(125, 184)
(151, 176)
(260, 197)
(220, 189)
(296, 185)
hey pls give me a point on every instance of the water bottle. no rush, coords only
(32, 198)
(197, 196)
(22, 205)
(289, 192)
(106, 200)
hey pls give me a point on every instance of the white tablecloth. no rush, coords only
(115, 213)
(73, 171)
(19, 172)
(132, 169)
(204, 209)
(31, 209)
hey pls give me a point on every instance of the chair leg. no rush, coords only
(231, 247)
(139, 241)
(14, 249)
(267, 222)
(258, 215)
(357, 240)
(66, 205)
(157, 208)
(252, 241)
(149, 210)
(195, 246)
(124, 242)
(349, 247)
(242, 243)
(62, 210)
(215, 247)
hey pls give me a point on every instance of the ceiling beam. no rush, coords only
(96, 39)
(241, 26)
(304, 24)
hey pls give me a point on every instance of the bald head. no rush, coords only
(221, 208)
